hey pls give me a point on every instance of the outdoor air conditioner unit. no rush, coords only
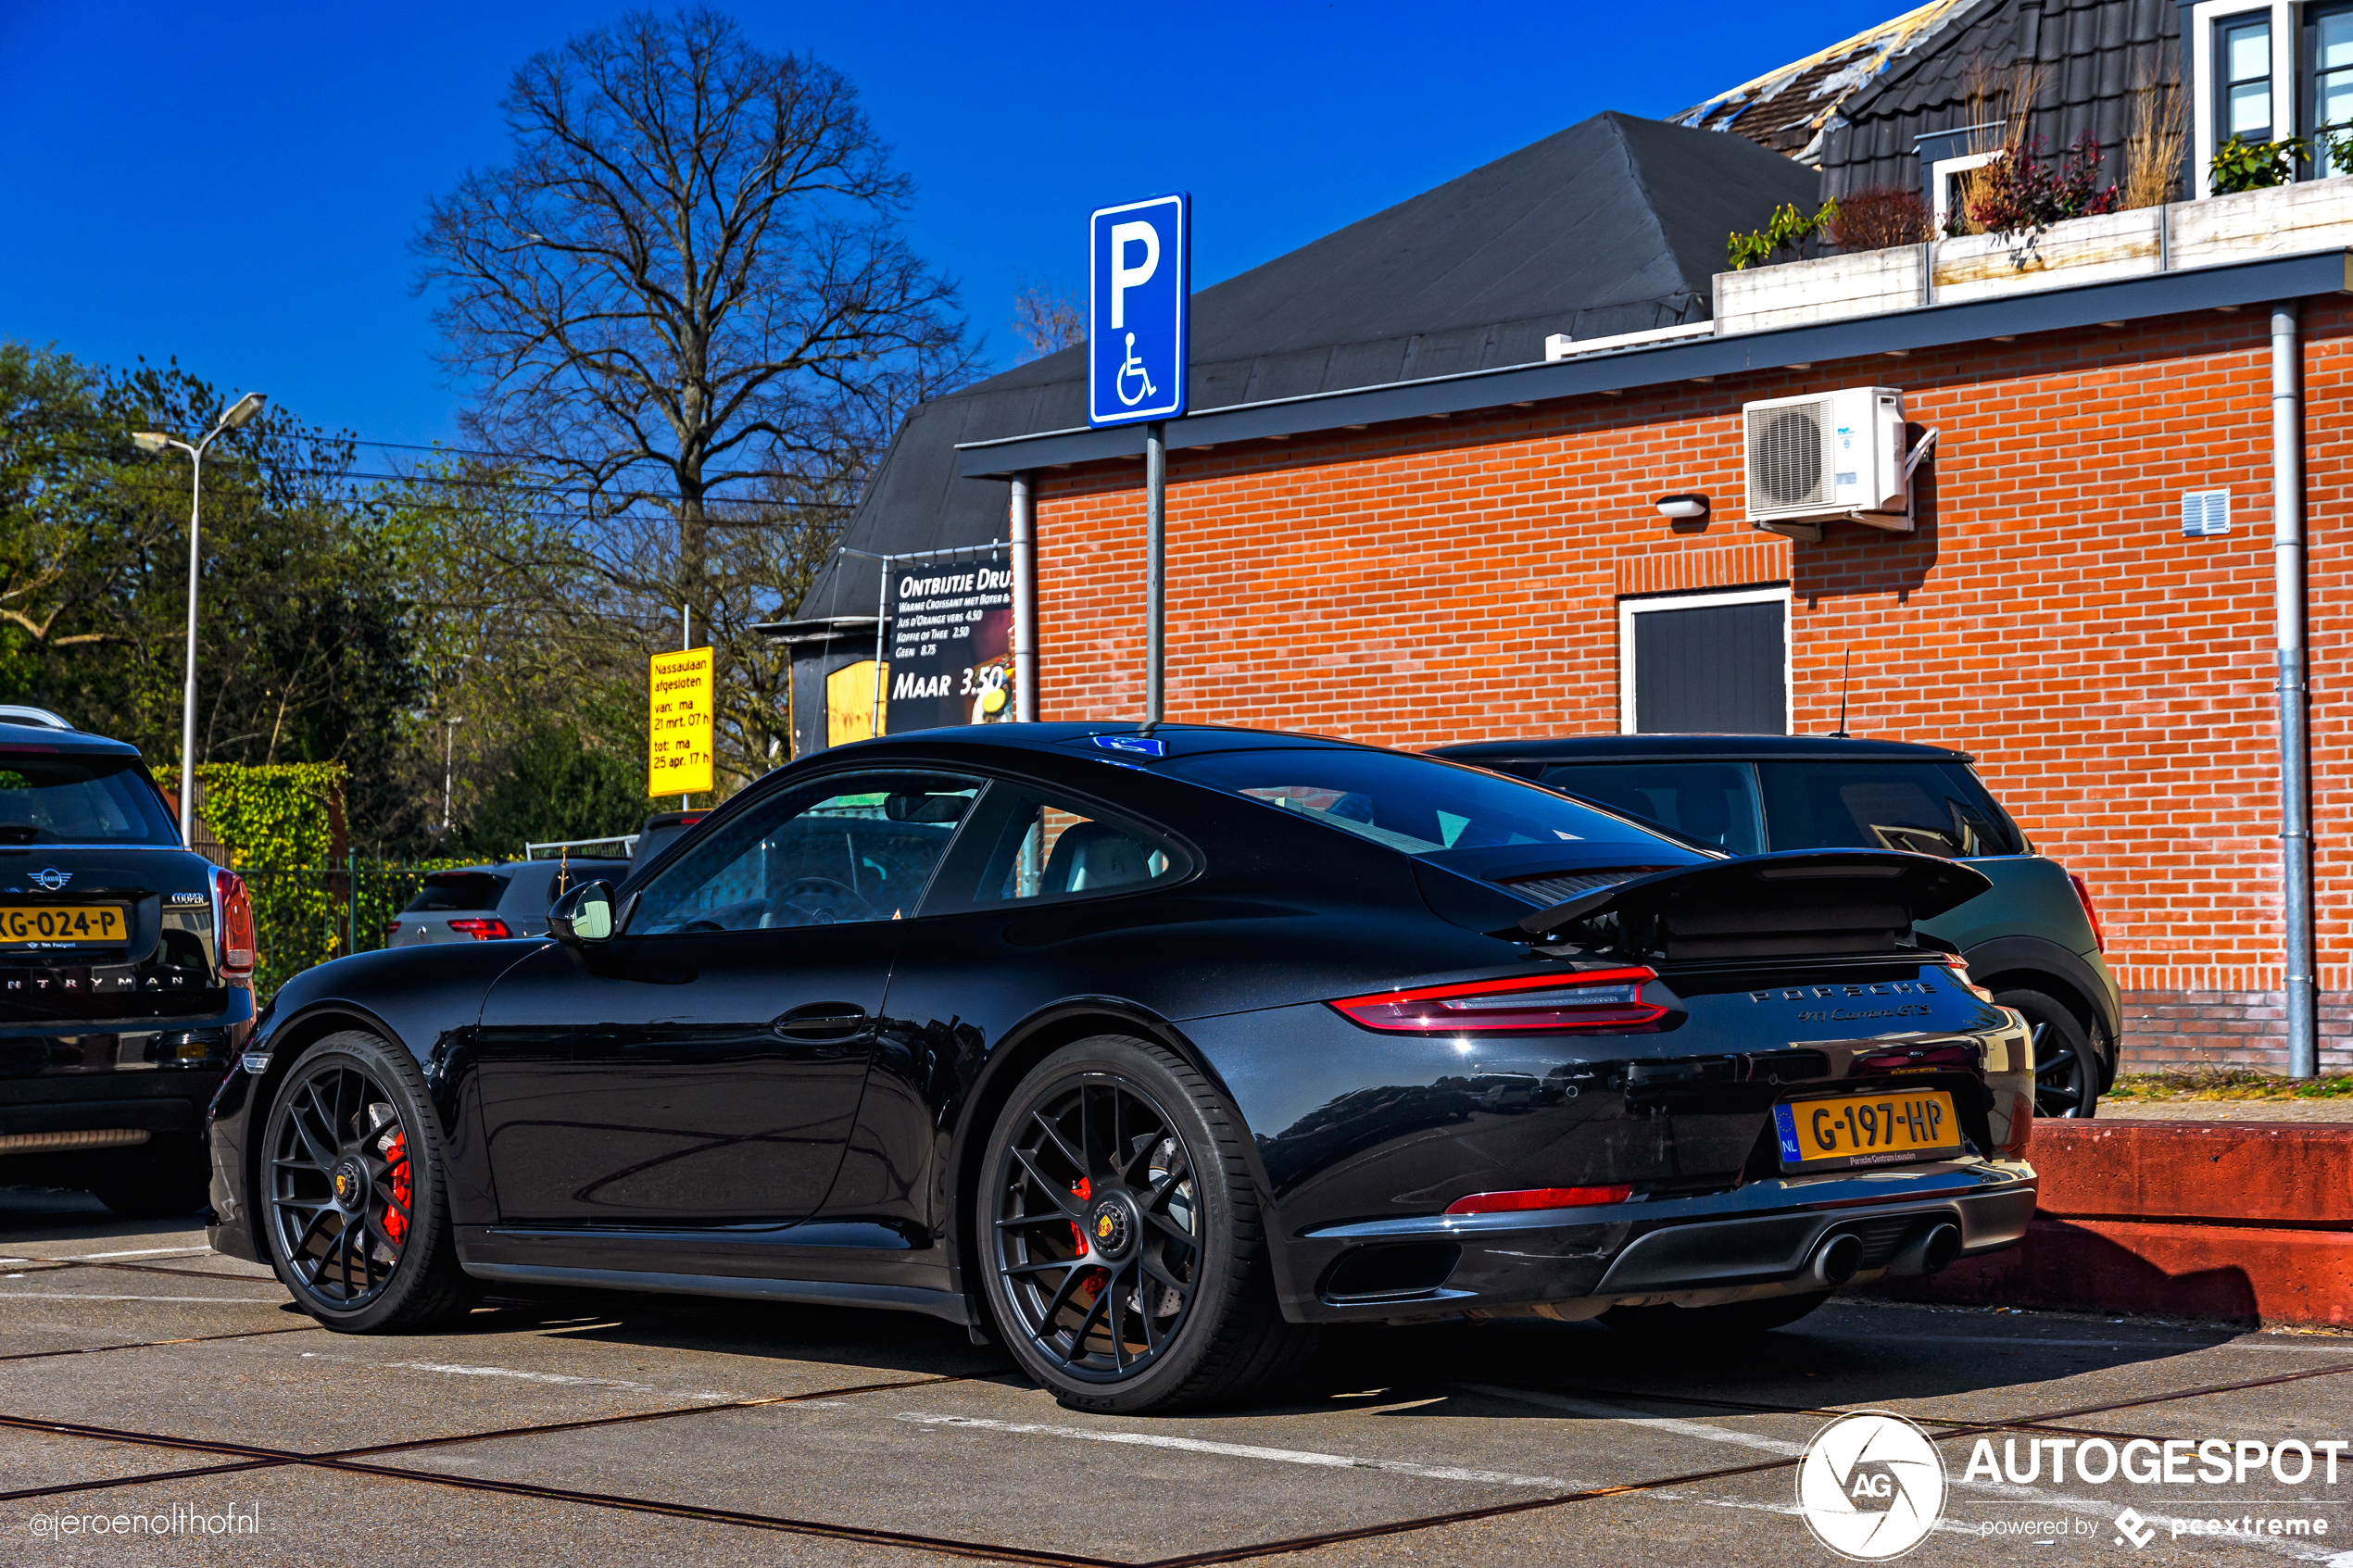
(1830, 455)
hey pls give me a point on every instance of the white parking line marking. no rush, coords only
(2341, 1348)
(452, 1369)
(143, 1253)
(89, 1296)
(1246, 1451)
(1574, 1406)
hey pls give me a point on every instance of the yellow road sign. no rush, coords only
(680, 691)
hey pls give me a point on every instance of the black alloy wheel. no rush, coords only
(2066, 1072)
(350, 1186)
(1125, 1262)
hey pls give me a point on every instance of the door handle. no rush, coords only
(821, 1020)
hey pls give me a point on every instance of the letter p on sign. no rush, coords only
(1139, 325)
(1124, 237)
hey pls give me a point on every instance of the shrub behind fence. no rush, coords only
(306, 915)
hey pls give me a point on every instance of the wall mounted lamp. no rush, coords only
(1682, 507)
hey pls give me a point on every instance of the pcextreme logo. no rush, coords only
(1871, 1487)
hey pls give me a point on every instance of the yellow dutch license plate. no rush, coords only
(94, 924)
(1867, 1129)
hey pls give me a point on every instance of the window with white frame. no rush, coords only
(2269, 72)
(1713, 663)
(1946, 178)
(2329, 46)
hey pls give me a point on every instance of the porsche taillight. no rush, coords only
(1519, 1004)
(232, 924)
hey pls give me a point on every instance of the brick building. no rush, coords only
(1426, 579)
(1417, 552)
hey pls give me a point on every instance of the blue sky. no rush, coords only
(236, 185)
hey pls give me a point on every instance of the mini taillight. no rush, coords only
(1538, 1197)
(1959, 966)
(1519, 1004)
(232, 924)
(482, 930)
(2084, 896)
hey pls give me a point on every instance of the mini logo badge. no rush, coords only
(1871, 1487)
(52, 878)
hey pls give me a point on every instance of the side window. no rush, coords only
(1714, 802)
(1927, 808)
(1043, 848)
(854, 846)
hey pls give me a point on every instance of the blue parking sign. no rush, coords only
(1139, 318)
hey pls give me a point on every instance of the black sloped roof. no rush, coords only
(1616, 224)
(2096, 57)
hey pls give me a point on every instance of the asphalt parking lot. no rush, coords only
(141, 1373)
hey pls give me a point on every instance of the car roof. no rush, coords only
(508, 868)
(41, 738)
(1085, 738)
(1718, 748)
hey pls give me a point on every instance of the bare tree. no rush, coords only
(690, 281)
(1048, 321)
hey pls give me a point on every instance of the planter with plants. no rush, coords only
(2041, 223)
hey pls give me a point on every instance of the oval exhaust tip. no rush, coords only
(1836, 1259)
(1939, 1247)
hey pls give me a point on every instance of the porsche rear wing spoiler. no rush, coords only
(1807, 901)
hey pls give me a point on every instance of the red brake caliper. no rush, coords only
(1094, 1280)
(396, 1220)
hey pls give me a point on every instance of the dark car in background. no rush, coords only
(494, 902)
(1148, 1053)
(126, 975)
(2034, 938)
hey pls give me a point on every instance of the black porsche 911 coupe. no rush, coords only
(1148, 1053)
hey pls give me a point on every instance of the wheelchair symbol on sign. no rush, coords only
(1144, 388)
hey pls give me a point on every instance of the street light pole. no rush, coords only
(243, 409)
(448, 769)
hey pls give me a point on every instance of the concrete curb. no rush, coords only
(2245, 1220)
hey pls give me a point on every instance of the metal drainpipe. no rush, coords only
(2296, 758)
(1023, 525)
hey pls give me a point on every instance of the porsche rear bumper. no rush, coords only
(1753, 1240)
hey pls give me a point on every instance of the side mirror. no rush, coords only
(584, 914)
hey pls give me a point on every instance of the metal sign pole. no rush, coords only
(1155, 573)
(882, 615)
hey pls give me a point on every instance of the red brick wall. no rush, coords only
(1447, 580)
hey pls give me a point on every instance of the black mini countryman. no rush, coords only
(126, 976)
(1146, 1054)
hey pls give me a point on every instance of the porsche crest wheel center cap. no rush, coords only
(1110, 1226)
(352, 1185)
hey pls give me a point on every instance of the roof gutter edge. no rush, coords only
(1934, 326)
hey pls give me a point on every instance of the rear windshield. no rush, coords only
(1930, 808)
(1415, 804)
(457, 890)
(56, 799)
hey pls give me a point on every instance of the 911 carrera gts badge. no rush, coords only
(51, 878)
